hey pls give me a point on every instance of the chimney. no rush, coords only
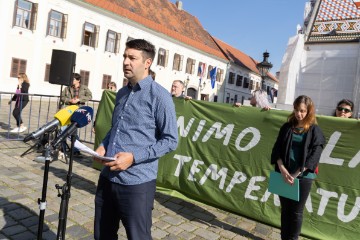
(179, 5)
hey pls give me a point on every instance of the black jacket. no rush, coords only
(313, 147)
(24, 89)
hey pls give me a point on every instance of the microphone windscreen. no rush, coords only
(64, 115)
(82, 116)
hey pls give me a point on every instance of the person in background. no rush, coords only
(258, 99)
(177, 90)
(296, 154)
(344, 109)
(143, 129)
(20, 101)
(152, 74)
(76, 94)
(112, 86)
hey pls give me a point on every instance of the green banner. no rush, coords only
(223, 159)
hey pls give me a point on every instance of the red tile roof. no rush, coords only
(163, 17)
(240, 58)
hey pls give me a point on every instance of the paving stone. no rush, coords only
(13, 230)
(207, 234)
(159, 234)
(173, 220)
(24, 236)
(77, 231)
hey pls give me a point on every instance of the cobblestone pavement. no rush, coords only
(21, 181)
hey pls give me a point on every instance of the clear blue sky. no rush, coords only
(252, 26)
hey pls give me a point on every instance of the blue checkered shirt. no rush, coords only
(143, 123)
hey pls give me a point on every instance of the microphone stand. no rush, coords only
(42, 201)
(65, 193)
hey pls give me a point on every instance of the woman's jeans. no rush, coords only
(292, 211)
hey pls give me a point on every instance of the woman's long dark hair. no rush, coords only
(310, 118)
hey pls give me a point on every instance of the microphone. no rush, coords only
(81, 117)
(62, 118)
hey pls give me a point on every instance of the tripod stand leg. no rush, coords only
(42, 201)
(65, 195)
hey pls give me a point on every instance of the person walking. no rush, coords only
(21, 100)
(296, 154)
(143, 129)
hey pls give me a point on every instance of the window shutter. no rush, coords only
(166, 58)
(181, 62)
(83, 35)
(34, 11)
(96, 39)
(104, 82)
(15, 12)
(47, 73)
(117, 44)
(14, 67)
(64, 26)
(87, 76)
(22, 66)
(48, 23)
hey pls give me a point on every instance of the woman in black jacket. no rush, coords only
(296, 154)
(21, 100)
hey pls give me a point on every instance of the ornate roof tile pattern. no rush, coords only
(164, 17)
(336, 20)
(337, 9)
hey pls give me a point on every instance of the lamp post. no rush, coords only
(264, 68)
(186, 85)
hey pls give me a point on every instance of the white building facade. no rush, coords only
(32, 29)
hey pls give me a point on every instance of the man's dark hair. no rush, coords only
(77, 76)
(146, 47)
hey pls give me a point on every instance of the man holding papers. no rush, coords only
(296, 155)
(143, 130)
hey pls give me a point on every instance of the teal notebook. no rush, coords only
(278, 186)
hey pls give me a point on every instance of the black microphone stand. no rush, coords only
(65, 193)
(42, 201)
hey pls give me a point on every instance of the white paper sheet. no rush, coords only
(88, 150)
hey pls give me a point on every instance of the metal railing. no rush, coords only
(40, 110)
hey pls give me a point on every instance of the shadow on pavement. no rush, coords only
(196, 213)
(20, 223)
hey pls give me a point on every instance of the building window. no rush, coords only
(190, 66)
(162, 57)
(17, 66)
(219, 75)
(235, 98)
(85, 75)
(251, 86)
(208, 73)
(201, 69)
(246, 83)
(112, 42)
(47, 73)
(25, 14)
(227, 97)
(178, 62)
(239, 80)
(231, 79)
(257, 86)
(57, 24)
(106, 80)
(91, 35)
